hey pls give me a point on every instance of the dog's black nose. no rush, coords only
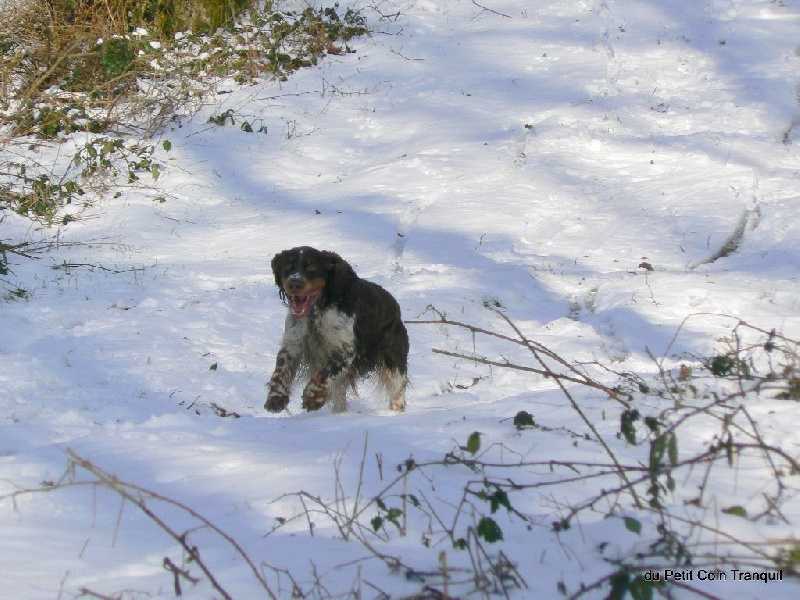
(294, 284)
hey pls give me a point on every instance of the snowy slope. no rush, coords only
(529, 155)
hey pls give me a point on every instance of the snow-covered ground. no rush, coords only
(579, 164)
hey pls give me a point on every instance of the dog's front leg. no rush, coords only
(281, 382)
(324, 384)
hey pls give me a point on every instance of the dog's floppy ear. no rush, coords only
(340, 274)
(277, 264)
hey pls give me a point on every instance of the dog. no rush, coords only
(339, 328)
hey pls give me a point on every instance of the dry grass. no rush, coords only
(123, 68)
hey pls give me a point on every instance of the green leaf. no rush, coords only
(213, 367)
(393, 514)
(656, 454)
(628, 418)
(652, 424)
(641, 589)
(722, 366)
(117, 57)
(729, 450)
(633, 525)
(672, 449)
(562, 525)
(167, 145)
(737, 511)
(413, 499)
(474, 442)
(377, 523)
(498, 499)
(620, 582)
(523, 420)
(489, 530)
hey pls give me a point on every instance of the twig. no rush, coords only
(509, 365)
(65, 265)
(177, 574)
(576, 377)
(136, 496)
(490, 10)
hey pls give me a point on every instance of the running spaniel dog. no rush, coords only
(339, 327)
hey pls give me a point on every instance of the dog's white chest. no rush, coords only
(321, 334)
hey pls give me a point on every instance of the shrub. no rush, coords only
(122, 66)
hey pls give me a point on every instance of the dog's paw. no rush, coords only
(315, 395)
(276, 402)
(398, 404)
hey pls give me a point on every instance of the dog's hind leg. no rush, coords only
(394, 370)
(394, 382)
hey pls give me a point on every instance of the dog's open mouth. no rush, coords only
(301, 304)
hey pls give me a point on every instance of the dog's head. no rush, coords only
(307, 277)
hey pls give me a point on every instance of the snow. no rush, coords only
(531, 155)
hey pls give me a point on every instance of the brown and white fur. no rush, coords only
(338, 329)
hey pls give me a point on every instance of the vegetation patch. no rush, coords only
(110, 71)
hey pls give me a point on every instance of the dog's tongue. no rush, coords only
(301, 305)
